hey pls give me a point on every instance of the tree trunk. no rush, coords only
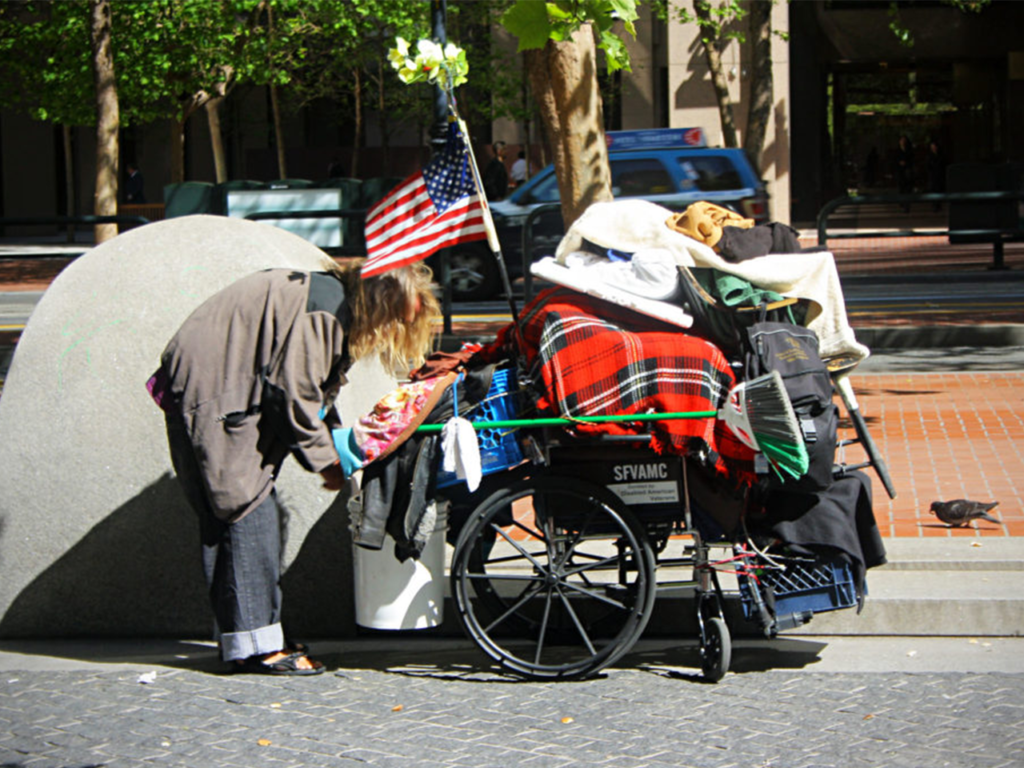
(563, 76)
(357, 119)
(527, 106)
(385, 138)
(177, 150)
(69, 178)
(762, 83)
(713, 56)
(107, 118)
(275, 108)
(220, 163)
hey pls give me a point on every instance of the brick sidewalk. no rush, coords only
(30, 274)
(944, 436)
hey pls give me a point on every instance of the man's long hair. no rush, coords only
(381, 306)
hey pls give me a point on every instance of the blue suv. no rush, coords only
(671, 167)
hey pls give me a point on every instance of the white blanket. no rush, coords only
(638, 225)
(590, 275)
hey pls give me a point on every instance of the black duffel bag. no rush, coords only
(792, 350)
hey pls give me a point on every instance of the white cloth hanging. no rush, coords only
(461, 450)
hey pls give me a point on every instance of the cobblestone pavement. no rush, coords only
(464, 716)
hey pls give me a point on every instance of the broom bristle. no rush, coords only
(760, 413)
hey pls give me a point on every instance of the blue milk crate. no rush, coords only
(802, 587)
(499, 448)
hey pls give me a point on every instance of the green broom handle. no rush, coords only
(559, 422)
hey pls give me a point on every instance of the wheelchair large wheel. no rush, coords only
(553, 577)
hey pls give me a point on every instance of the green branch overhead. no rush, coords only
(534, 23)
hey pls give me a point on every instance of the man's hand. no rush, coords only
(334, 477)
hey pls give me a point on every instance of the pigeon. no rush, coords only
(960, 512)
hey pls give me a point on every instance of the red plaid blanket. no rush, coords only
(594, 358)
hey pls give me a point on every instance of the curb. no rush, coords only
(942, 336)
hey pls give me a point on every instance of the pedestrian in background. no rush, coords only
(936, 171)
(518, 172)
(495, 176)
(134, 188)
(905, 168)
(251, 377)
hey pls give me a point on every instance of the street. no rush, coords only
(16, 307)
(424, 702)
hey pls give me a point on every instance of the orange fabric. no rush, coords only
(703, 222)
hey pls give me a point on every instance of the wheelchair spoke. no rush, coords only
(576, 621)
(542, 632)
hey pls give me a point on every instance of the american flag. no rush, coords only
(433, 209)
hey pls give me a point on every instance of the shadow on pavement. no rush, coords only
(62, 654)
(670, 658)
(435, 658)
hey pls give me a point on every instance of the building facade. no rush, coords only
(845, 89)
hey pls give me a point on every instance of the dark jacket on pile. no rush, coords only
(397, 490)
(738, 244)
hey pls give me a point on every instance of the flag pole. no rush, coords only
(492, 233)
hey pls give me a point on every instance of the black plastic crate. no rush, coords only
(802, 586)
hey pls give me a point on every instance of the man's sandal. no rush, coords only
(286, 665)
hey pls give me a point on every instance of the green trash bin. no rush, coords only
(188, 197)
(290, 184)
(375, 189)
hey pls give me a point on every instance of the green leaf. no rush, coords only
(903, 35)
(615, 50)
(559, 12)
(625, 10)
(528, 20)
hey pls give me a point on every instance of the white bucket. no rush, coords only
(393, 595)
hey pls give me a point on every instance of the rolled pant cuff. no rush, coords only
(242, 645)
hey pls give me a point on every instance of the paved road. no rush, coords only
(433, 704)
(16, 307)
